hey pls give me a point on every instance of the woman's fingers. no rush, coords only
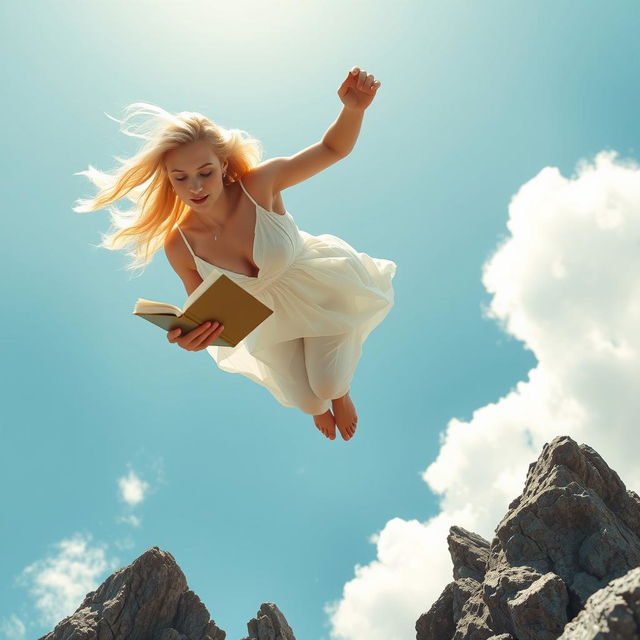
(175, 335)
(364, 80)
(194, 337)
(207, 337)
(200, 337)
(213, 336)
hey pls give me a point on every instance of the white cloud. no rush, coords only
(567, 284)
(12, 628)
(132, 488)
(60, 581)
(131, 519)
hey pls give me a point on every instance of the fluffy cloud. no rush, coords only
(566, 282)
(60, 581)
(132, 488)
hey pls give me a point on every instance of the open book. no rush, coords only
(216, 298)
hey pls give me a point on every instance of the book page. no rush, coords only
(151, 306)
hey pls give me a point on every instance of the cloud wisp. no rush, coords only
(60, 581)
(12, 628)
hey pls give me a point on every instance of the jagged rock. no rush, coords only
(612, 613)
(574, 528)
(469, 553)
(475, 620)
(438, 621)
(148, 598)
(269, 624)
(463, 590)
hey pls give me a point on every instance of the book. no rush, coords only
(217, 298)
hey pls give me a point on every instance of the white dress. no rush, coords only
(326, 299)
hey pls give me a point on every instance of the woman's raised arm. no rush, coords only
(356, 93)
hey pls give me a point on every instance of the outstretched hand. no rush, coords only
(358, 89)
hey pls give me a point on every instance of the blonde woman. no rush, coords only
(202, 193)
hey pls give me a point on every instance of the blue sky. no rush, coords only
(252, 501)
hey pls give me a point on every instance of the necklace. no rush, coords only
(215, 233)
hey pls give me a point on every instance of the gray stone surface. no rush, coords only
(438, 621)
(612, 613)
(573, 530)
(269, 624)
(469, 553)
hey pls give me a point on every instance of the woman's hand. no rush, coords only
(197, 339)
(358, 90)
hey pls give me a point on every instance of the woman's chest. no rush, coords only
(232, 253)
(231, 248)
(269, 246)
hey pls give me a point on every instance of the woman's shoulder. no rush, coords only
(259, 183)
(176, 250)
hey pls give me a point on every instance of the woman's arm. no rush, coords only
(180, 259)
(356, 93)
(341, 136)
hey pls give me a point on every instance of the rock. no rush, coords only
(269, 624)
(463, 590)
(149, 599)
(469, 553)
(438, 621)
(573, 530)
(612, 613)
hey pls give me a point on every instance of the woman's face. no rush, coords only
(194, 171)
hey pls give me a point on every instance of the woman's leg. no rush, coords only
(331, 362)
(287, 370)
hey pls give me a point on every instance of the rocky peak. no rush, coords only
(149, 599)
(574, 529)
(269, 624)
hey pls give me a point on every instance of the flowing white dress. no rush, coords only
(326, 299)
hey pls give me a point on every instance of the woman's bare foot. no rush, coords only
(326, 423)
(346, 416)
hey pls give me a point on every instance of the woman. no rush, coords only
(213, 206)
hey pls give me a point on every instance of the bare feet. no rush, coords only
(326, 423)
(346, 416)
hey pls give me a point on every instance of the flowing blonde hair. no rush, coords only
(143, 178)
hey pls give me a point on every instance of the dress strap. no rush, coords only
(185, 241)
(248, 194)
